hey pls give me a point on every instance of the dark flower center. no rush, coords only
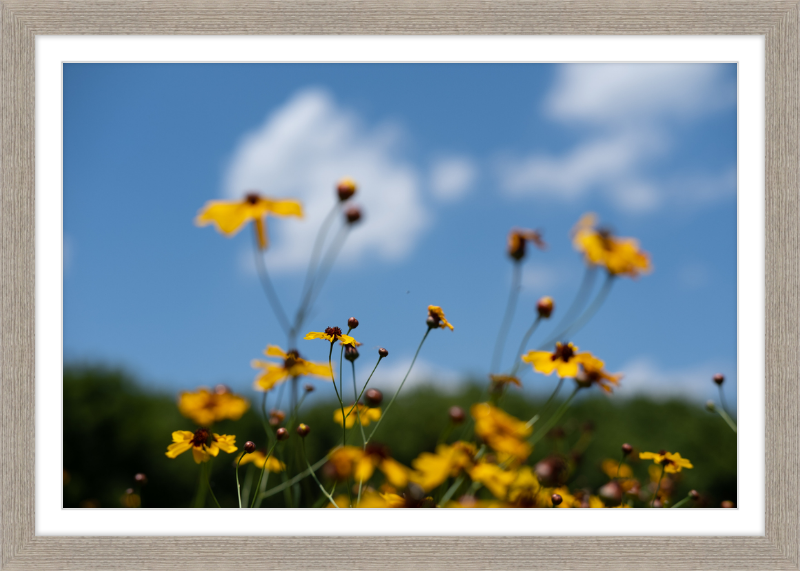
(606, 237)
(563, 352)
(334, 332)
(202, 436)
(377, 450)
(251, 198)
(292, 358)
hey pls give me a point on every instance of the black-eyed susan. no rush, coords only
(592, 372)
(501, 431)
(620, 256)
(564, 360)
(360, 463)
(517, 239)
(332, 335)
(436, 318)
(203, 443)
(230, 215)
(367, 415)
(259, 458)
(431, 469)
(672, 462)
(205, 407)
(293, 366)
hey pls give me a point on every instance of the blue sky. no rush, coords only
(448, 158)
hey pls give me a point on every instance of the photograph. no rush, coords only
(400, 285)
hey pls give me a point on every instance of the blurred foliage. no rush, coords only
(114, 429)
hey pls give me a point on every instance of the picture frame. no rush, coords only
(23, 20)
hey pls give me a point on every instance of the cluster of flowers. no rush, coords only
(489, 464)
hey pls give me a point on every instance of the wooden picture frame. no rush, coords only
(23, 20)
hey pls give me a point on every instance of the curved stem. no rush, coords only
(313, 475)
(539, 434)
(208, 483)
(588, 314)
(341, 402)
(261, 475)
(238, 487)
(658, 487)
(727, 419)
(577, 304)
(325, 268)
(513, 295)
(358, 415)
(388, 406)
(293, 481)
(367, 383)
(680, 503)
(269, 290)
(524, 343)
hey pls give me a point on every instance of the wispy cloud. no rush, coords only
(629, 113)
(452, 178)
(643, 376)
(302, 150)
(389, 375)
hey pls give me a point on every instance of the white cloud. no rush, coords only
(452, 177)
(301, 151)
(543, 278)
(642, 376)
(630, 112)
(389, 375)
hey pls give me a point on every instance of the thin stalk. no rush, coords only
(658, 487)
(367, 383)
(238, 487)
(341, 402)
(619, 467)
(358, 416)
(722, 400)
(313, 475)
(680, 503)
(210, 491)
(200, 497)
(547, 403)
(263, 469)
(588, 314)
(248, 483)
(524, 343)
(513, 295)
(727, 419)
(280, 487)
(577, 303)
(388, 406)
(327, 264)
(539, 434)
(452, 490)
(269, 289)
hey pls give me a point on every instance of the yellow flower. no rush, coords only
(620, 256)
(202, 443)
(493, 477)
(568, 500)
(501, 431)
(206, 407)
(564, 360)
(609, 466)
(592, 372)
(229, 216)
(372, 499)
(433, 469)
(436, 315)
(293, 366)
(472, 502)
(517, 239)
(366, 414)
(672, 462)
(524, 490)
(360, 464)
(259, 458)
(333, 334)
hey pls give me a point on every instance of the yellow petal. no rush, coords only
(274, 351)
(228, 217)
(270, 377)
(317, 335)
(177, 448)
(284, 207)
(226, 443)
(364, 469)
(199, 455)
(395, 472)
(182, 435)
(347, 340)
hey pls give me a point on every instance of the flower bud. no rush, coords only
(383, 353)
(432, 321)
(626, 449)
(556, 499)
(611, 492)
(710, 406)
(457, 414)
(282, 433)
(222, 389)
(350, 353)
(249, 446)
(726, 504)
(719, 378)
(276, 417)
(374, 397)
(694, 495)
(140, 479)
(309, 388)
(545, 307)
(303, 430)
(352, 323)
(346, 188)
(353, 214)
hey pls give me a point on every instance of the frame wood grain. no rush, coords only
(22, 20)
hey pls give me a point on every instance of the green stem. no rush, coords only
(263, 469)
(658, 487)
(208, 482)
(539, 434)
(358, 414)
(547, 403)
(313, 475)
(269, 289)
(619, 467)
(367, 383)
(590, 311)
(727, 419)
(524, 344)
(576, 305)
(513, 295)
(291, 482)
(388, 406)
(680, 503)
(341, 402)
(200, 497)
(238, 487)
(452, 490)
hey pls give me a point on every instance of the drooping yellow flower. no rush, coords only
(293, 366)
(206, 407)
(360, 464)
(592, 372)
(436, 315)
(493, 477)
(365, 413)
(332, 335)
(430, 470)
(672, 462)
(517, 239)
(620, 256)
(230, 215)
(501, 431)
(259, 458)
(564, 360)
(202, 443)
